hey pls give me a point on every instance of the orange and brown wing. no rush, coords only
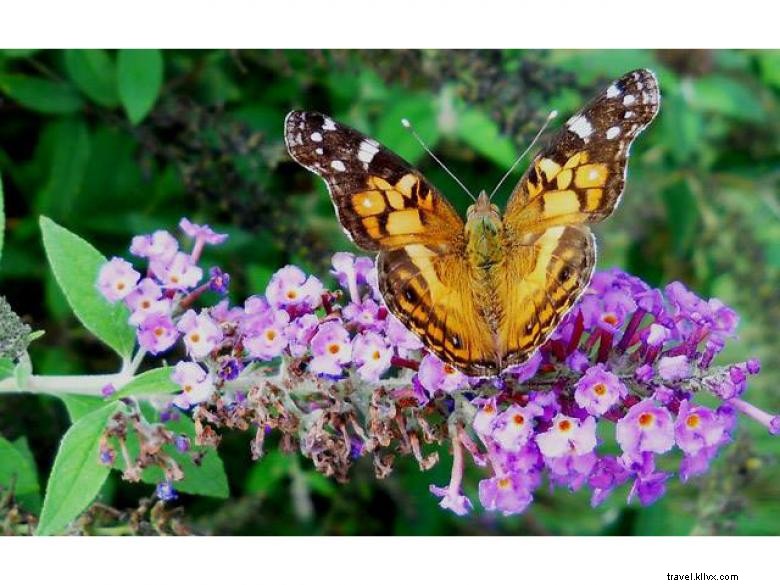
(434, 296)
(388, 207)
(577, 179)
(542, 277)
(381, 201)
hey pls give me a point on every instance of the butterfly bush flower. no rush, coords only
(196, 384)
(371, 355)
(435, 375)
(340, 377)
(201, 334)
(117, 279)
(290, 287)
(331, 349)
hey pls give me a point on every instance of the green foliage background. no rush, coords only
(111, 144)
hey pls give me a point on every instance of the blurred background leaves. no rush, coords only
(115, 143)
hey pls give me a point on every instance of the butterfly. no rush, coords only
(483, 294)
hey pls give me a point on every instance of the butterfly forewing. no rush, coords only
(382, 202)
(579, 177)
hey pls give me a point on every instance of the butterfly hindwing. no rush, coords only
(434, 297)
(381, 201)
(543, 277)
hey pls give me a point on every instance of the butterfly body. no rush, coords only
(482, 294)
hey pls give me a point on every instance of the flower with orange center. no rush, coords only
(116, 279)
(598, 390)
(568, 436)
(646, 428)
(201, 333)
(371, 354)
(513, 428)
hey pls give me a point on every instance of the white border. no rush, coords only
(375, 561)
(388, 23)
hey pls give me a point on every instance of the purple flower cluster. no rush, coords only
(627, 363)
(631, 356)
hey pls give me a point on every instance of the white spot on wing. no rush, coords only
(628, 100)
(613, 91)
(319, 151)
(580, 126)
(367, 151)
(316, 137)
(338, 166)
(329, 124)
(628, 115)
(613, 132)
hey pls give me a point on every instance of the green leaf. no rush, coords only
(140, 73)
(76, 264)
(421, 111)
(7, 368)
(79, 405)
(480, 132)
(769, 63)
(157, 381)
(18, 470)
(77, 474)
(93, 71)
(268, 472)
(727, 96)
(40, 95)
(67, 169)
(2, 217)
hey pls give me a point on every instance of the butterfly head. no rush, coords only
(483, 210)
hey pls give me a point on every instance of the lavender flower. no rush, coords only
(117, 279)
(331, 349)
(627, 362)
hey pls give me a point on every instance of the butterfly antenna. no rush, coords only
(550, 117)
(408, 125)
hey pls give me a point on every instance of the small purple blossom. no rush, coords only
(331, 349)
(371, 355)
(201, 232)
(201, 334)
(157, 333)
(117, 279)
(290, 287)
(165, 491)
(219, 281)
(264, 336)
(195, 382)
(568, 436)
(160, 246)
(299, 333)
(509, 494)
(180, 273)
(674, 368)
(646, 428)
(145, 299)
(512, 429)
(599, 390)
(435, 375)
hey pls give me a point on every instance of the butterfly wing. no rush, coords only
(388, 207)
(380, 200)
(576, 180)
